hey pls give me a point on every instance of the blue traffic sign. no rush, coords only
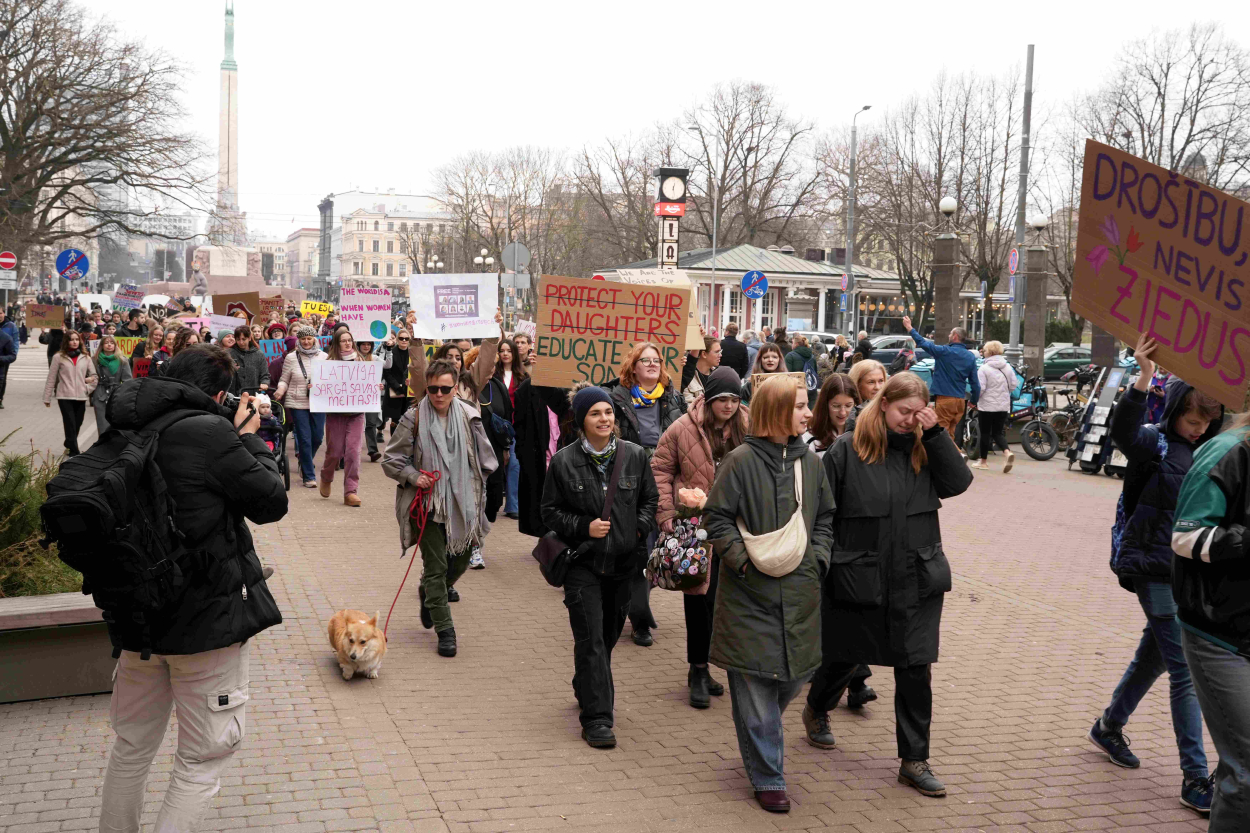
(754, 285)
(72, 264)
(843, 302)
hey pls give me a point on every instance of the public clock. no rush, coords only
(673, 188)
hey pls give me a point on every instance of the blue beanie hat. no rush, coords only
(585, 399)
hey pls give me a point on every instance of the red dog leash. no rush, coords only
(418, 512)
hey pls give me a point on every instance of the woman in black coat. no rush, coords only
(888, 573)
(535, 406)
(596, 589)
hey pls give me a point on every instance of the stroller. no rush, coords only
(279, 444)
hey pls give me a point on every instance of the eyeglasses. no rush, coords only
(840, 407)
(402, 338)
(440, 389)
(650, 362)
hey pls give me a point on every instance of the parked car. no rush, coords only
(1058, 360)
(824, 338)
(885, 348)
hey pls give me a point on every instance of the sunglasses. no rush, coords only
(441, 389)
(402, 338)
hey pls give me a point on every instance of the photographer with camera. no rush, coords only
(193, 653)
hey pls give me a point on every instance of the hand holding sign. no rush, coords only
(1145, 346)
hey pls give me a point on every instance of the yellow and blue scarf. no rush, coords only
(642, 399)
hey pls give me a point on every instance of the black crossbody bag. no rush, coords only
(554, 557)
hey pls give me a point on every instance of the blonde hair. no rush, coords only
(870, 428)
(797, 340)
(863, 368)
(772, 406)
(992, 348)
(840, 340)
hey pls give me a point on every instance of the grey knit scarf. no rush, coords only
(456, 498)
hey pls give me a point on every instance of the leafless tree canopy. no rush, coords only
(82, 109)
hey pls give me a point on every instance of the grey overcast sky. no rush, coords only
(379, 93)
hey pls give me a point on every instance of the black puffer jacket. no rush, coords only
(671, 406)
(533, 436)
(1151, 483)
(573, 496)
(252, 369)
(216, 479)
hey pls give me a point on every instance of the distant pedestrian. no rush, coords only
(954, 372)
(112, 369)
(753, 344)
(766, 631)
(292, 391)
(863, 347)
(769, 359)
(706, 360)
(343, 432)
(782, 340)
(997, 380)
(71, 379)
(8, 355)
(734, 353)
(889, 574)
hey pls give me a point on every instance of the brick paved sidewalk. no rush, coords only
(1035, 636)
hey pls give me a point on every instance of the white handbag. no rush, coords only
(777, 553)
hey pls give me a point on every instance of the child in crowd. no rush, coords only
(270, 426)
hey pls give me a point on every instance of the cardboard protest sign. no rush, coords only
(587, 327)
(322, 308)
(126, 346)
(195, 321)
(344, 387)
(271, 305)
(223, 322)
(526, 328)
(758, 378)
(127, 297)
(366, 312)
(45, 316)
(272, 348)
(668, 277)
(141, 368)
(248, 302)
(455, 306)
(1160, 254)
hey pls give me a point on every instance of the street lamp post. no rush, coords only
(487, 263)
(850, 227)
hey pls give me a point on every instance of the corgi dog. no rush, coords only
(358, 643)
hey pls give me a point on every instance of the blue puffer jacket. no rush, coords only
(1152, 482)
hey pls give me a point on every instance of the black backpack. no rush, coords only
(112, 519)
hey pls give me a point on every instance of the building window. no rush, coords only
(403, 269)
(390, 226)
(375, 245)
(390, 246)
(441, 226)
(429, 228)
(375, 270)
(767, 304)
(356, 270)
(403, 246)
(390, 270)
(735, 307)
(375, 225)
(403, 226)
(360, 225)
(360, 245)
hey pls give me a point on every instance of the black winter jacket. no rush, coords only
(671, 406)
(573, 496)
(888, 572)
(734, 354)
(533, 434)
(1151, 483)
(216, 479)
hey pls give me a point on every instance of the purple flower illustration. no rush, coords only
(1098, 256)
(1111, 230)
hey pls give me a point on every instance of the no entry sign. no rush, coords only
(8, 260)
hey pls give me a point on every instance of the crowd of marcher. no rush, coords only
(814, 476)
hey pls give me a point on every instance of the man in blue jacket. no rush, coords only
(954, 370)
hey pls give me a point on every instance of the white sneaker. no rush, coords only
(1011, 461)
(475, 560)
(980, 464)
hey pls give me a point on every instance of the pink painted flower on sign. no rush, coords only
(1097, 257)
(1111, 230)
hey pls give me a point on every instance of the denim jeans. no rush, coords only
(510, 506)
(596, 606)
(758, 704)
(309, 428)
(1222, 681)
(1160, 650)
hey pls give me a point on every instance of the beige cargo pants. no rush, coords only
(209, 691)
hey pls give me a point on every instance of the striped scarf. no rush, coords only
(601, 459)
(643, 399)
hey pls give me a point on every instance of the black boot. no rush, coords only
(453, 595)
(447, 643)
(427, 620)
(697, 680)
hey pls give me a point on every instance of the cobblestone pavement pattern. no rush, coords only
(1035, 636)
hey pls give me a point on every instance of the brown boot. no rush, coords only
(351, 499)
(325, 487)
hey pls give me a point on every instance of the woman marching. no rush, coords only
(998, 380)
(597, 587)
(511, 371)
(834, 416)
(687, 458)
(395, 379)
(344, 432)
(645, 405)
(292, 390)
(769, 359)
(868, 376)
(71, 379)
(111, 370)
(252, 370)
(888, 573)
(769, 518)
